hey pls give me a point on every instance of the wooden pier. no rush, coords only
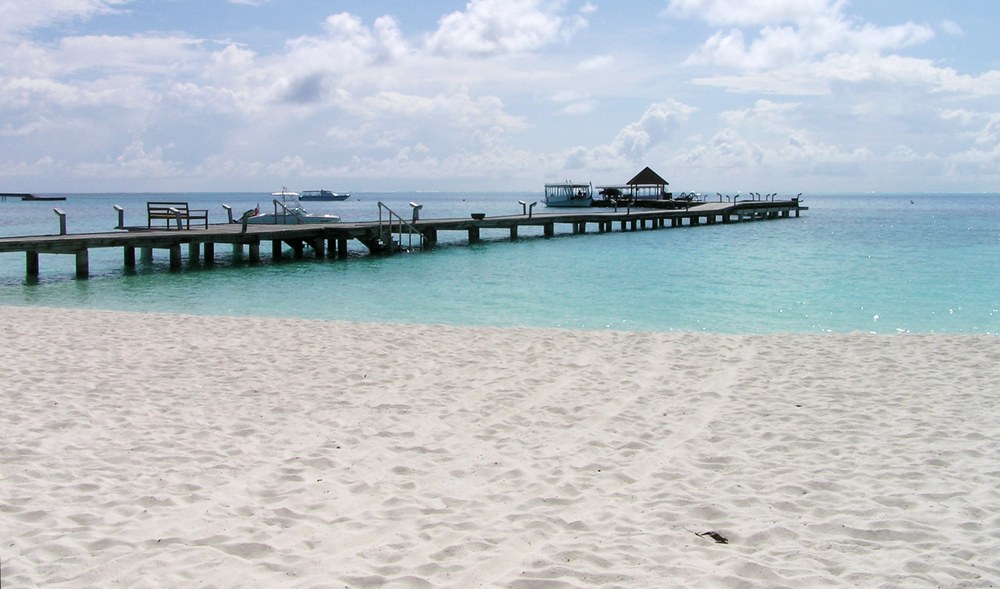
(331, 240)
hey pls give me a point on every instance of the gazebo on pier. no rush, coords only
(648, 185)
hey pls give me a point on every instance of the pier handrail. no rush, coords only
(62, 220)
(121, 216)
(400, 224)
(285, 212)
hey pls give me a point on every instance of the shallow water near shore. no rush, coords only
(883, 263)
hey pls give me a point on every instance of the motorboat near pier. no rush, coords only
(569, 194)
(321, 194)
(288, 210)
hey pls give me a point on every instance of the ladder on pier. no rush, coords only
(394, 234)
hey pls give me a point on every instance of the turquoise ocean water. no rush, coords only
(883, 263)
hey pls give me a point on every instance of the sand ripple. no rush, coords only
(148, 451)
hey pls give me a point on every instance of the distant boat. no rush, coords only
(29, 197)
(287, 211)
(323, 195)
(568, 194)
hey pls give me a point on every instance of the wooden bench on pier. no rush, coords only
(179, 211)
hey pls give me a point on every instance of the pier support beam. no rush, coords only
(175, 257)
(128, 256)
(319, 246)
(31, 263)
(83, 263)
(146, 254)
(549, 229)
(194, 251)
(276, 249)
(473, 234)
(513, 231)
(209, 252)
(342, 248)
(254, 252)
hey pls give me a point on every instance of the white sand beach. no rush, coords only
(144, 450)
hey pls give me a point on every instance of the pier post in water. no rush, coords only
(83, 263)
(175, 256)
(128, 256)
(31, 263)
(209, 252)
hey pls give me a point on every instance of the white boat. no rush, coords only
(323, 195)
(287, 211)
(568, 194)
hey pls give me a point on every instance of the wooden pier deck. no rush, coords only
(331, 240)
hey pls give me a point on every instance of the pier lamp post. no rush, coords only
(524, 207)
(416, 211)
(531, 207)
(121, 217)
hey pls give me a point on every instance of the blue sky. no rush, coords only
(715, 95)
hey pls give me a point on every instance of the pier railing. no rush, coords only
(285, 213)
(391, 224)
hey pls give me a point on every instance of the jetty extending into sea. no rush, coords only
(389, 234)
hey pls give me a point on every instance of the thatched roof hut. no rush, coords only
(647, 184)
